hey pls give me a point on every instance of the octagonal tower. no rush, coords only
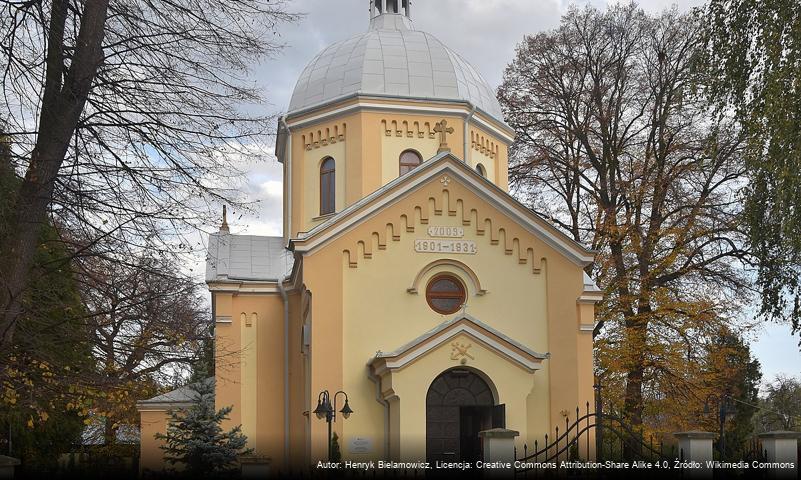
(365, 111)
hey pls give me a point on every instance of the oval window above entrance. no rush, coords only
(445, 294)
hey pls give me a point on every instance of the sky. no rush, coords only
(485, 33)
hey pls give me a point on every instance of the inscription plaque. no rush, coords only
(461, 247)
(361, 445)
(445, 232)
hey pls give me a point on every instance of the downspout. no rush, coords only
(288, 166)
(286, 368)
(380, 399)
(467, 131)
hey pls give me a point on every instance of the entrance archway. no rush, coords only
(459, 404)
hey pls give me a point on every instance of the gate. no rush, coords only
(614, 440)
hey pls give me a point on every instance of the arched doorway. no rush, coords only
(459, 404)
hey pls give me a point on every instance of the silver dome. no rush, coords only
(392, 59)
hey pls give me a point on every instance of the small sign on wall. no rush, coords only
(360, 445)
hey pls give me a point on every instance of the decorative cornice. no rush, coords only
(501, 344)
(405, 105)
(593, 297)
(468, 272)
(441, 165)
(321, 137)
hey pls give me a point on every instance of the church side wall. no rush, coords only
(486, 149)
(151, 457)
(298, 401)
(227, 345)
(322, 276)
(249, 369)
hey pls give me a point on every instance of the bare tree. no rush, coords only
(145, 325)
(614, 146)
(781, 407)
(124, 116)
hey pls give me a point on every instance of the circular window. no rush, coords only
(445, 294)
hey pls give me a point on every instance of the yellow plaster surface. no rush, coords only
(366, 146)
(151, 457)
(379, 264)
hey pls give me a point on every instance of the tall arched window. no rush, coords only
(409, 160)
(328, 186)
(481, 170)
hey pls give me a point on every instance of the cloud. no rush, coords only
(272, 188)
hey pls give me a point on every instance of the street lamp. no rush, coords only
(326, 410)
(725, 410)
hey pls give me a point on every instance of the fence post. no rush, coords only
(599, 424)
(781, 447)
(7, 465)
(697, 449)
(255, 466)
(499, 446)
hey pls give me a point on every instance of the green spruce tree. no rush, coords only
(39, 403)
(196, 440)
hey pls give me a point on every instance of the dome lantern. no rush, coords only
(399, 7)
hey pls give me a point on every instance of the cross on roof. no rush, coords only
(443, 129)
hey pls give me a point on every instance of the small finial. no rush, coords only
(224, 227)
(443, 129)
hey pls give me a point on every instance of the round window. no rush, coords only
(445, 294)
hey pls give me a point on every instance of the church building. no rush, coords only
(411, 300)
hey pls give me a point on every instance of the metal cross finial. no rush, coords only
(443, 129)
(224, 227)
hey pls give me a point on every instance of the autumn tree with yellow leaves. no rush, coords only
(615, 145)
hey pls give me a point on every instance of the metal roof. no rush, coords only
(247, 257)
(392, 59)
(180, 396)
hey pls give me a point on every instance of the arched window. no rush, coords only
(328, 186)
(409, 160)
(445, 294)
(481, 170)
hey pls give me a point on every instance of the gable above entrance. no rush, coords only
(461, 326)
(447, 168)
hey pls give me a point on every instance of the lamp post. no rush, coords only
(326, 410)
(724, 410)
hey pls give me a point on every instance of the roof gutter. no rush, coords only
(288, 179)
(285, 298)
(467, 131)
(379, 397)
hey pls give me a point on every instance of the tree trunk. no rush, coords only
(109, 432)
(62, 105)
(637, 340)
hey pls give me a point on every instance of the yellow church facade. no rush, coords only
(407, 278)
